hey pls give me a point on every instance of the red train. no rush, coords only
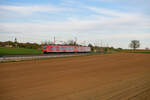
(65, 49)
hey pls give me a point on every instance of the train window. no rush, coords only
(44, 47)
(54, 48)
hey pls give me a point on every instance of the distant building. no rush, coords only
(9, 46)
(15, 42)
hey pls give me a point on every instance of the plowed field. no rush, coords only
(98, 77)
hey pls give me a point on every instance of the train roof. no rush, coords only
(65, 45)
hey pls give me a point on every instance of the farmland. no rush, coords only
(14, 51)
(121, 76)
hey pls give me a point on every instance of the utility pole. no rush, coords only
(101, 43)
(75, 40)
(54, 40)
(50, 42)
(107, 45)
(84, 43)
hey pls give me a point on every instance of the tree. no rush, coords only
(119, 49)
(72, 42)
(134, 44)
(146, 48)
(91, 46)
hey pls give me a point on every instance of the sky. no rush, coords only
(100, 22)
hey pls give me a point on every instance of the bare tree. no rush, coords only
(134, 44)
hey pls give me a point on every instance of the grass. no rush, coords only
(137, 51)
(142, 52)
(15, 51)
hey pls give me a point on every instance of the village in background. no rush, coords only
(16, 47)
(17, 44)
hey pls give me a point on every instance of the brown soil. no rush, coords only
(98, 77)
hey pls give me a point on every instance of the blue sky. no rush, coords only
(100, 22)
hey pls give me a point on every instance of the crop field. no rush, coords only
(14, 51)
(121, 76)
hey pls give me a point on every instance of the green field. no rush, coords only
(14, 51)
(137, 51)
(141, 52)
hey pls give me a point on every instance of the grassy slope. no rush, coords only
(10, 51)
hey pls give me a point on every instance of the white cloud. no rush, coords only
(116, 22)
(97, 26)
(110, 12)
(117, 25)
(31, 9)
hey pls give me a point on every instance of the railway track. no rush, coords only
(6, 58)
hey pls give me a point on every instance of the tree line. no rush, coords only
(134, 44)
(16, 44)
(12, 44)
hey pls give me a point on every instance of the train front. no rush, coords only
(44, 49)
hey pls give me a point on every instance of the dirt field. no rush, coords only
(98, 77)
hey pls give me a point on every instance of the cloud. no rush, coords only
(107, 12)
(26, 10)
(96, 26)
(100, 23)
(96, 23)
